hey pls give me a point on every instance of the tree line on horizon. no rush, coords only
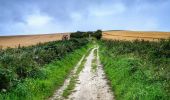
(79, 34)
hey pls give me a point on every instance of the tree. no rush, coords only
(98, 34)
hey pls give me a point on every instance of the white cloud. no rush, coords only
(38, 20)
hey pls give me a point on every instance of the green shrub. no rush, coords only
(44, 81)
(97, 34)
(22, 62)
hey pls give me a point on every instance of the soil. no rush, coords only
(58, 93)
(92, 85)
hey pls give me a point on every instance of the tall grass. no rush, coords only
(138, 70)
(48, 70)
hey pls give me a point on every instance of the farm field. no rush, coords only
(86, 68)
(84, 50)
(28, 40)
(132, 35)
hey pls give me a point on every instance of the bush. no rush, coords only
(20, 63)
(7, 78)
(78, 34)
(97, 34)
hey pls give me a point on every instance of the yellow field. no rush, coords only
(133, 35)
(27, 40)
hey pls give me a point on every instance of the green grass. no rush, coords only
(53, 76)
(131, 76)
(17, 64)
(74, 78)
(94, 61)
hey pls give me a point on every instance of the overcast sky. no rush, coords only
(49, 16)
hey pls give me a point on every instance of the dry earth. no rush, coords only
(91, 85)
(133, 35)
(27, 40)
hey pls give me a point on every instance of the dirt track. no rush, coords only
(91, 85)
(58, 93)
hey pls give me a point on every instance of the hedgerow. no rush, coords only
(23, 62)
(96, 34)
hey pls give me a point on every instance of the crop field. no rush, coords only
(133, 35)
(28, 40)
(88, 66)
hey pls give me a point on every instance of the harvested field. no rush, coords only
(27, 40)
(133, 35)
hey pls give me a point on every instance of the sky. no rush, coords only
(21, 17)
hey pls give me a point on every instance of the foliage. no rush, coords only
(97, 34)
(77, 34)
(23, 62)
(50, 77)
(137, 69)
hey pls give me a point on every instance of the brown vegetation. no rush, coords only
(133, 35)
(27, 40)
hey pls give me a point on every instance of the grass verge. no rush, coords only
(131, 77)
(53, 76)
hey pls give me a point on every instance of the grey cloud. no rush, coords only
(72, 15)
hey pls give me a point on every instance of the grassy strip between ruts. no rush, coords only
(73, 79)
(53, 76)
(94, 61)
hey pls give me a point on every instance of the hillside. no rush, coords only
(27, 40)
(132, 35)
